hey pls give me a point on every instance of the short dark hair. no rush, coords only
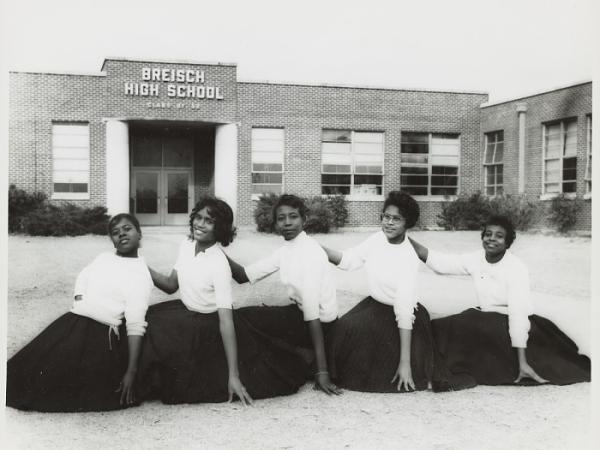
(504, 222)
(408, 206)
(222, 214)
(293, 201)
(114, 220)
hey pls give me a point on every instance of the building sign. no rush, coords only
(177, 83)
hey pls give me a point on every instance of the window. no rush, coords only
(70, 160)
(429, 163)
(267, 160)
(560, 157)
(352, 163)
(588, 169)
(492, 163)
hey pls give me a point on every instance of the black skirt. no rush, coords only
(75, 364)
(183, 359)
(364, 348)
(477, 344)
(284, 327)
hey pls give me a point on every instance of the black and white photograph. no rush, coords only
(299, 225)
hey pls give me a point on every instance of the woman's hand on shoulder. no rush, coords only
(404, 376)
(324, 383)
(236, 387)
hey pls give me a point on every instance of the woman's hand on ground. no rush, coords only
(526, 371)
(126, 388)
(236, 387)
(324, 383)
(404, 376)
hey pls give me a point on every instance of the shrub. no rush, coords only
(518, 209)
(464, 213)
(470, 212)
(324, 213)
(563, 212)
(34, 215)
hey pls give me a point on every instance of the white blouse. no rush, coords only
(204, 279)
(391, 273)
(306, 274)
(113, 287)
(502, 287)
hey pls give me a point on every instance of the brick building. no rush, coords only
(151, 137)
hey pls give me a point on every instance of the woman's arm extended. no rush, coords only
(404, 371)
(334, 256)
(166, 283)
(322, 379)
(127, 383)
(227, 329)
(421, 250)
(238, 273)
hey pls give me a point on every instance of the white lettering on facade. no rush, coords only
(193, 88)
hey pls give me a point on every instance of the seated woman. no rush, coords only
(78, 363)
(195, 349)
(387, 336)
(302, 326)
(501, 342)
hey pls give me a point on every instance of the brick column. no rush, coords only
(226, 152)
(522, 111)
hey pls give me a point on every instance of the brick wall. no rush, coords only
(571, 102)
(303, 111)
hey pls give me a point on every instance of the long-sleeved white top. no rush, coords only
(112, 288)
(502, 287)
(204, 279)
(306, 274)
(391, 273)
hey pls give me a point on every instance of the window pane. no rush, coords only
(335, 179)
(260, 167)
(375, 138)
(420, 138)
(70, 176)
(276, 134)
(335, 136)
(440, 180)
(499, 152)
(499, 177)
(444, 160)
(439, 170)
(267, 157)
(360, 147)
(334, 147)
(569, 187)
(332, 168)
(274, 178)
(368, 179)
(335, 190)
(489, 154)
(414, 148)
(414, 158)
(415, 190)
(443, 191)
(414, 170)
(147, 151)
(490, 190)
(490, 178)
(71, 164)
(414, 180)
(70, 187)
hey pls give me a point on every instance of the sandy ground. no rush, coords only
(42, 272)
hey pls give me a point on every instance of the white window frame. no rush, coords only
(65, 150)
(494, 164)
(429, 165)
(588, 168)
(355, 195)
(254, 150)
(561, 157)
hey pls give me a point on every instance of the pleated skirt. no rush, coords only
(477, 344)
(364, 348)
(183, 359)
(75, 364)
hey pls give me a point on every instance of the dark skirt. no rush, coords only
(477, 344)
(68, 367)
(284, 327)
(183, 359)
(364, 348)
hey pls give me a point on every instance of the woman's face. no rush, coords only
(289, 222)
(203, 227)
(393, 224)
(125, 237)
(494, 240)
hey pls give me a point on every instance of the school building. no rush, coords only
(151, 137)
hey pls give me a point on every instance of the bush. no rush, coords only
(563, 212)
(324, 213)
(34, 215)
(470, 212)
(464, 213)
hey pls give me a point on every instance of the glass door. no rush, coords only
(146, 195)
(177, 195)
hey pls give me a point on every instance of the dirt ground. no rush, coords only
(42, 272)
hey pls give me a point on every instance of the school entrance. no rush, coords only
(170, 166)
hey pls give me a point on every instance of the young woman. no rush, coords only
(500, 341)
(79, 362)
(302, 326)
(195, 351)
(384, 343)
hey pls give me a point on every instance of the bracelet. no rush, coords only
(322, 372)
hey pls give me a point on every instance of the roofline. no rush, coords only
(560, 88)
(167, 61)
(351, 86)
(68, 73)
